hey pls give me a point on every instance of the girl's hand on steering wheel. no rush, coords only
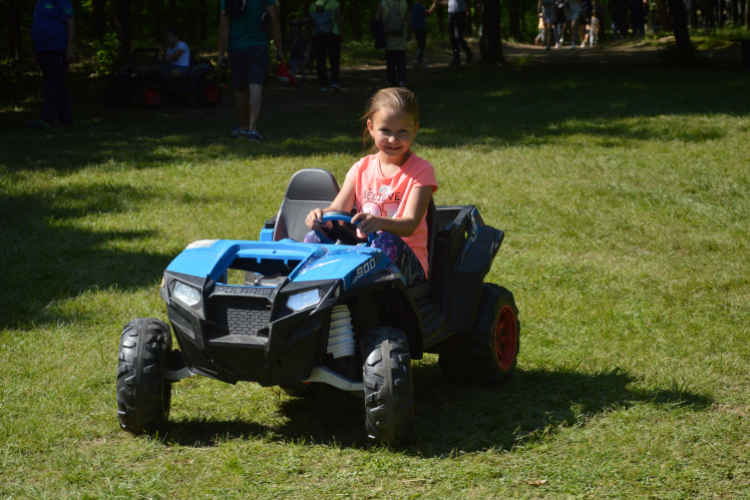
(366, 223)
(314, 222)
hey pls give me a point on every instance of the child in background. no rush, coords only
(177, 57)
(297, 56)
(539, 40)
(391, 189)
(594, 32)
(419, 15)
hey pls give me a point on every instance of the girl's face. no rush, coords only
(393, 132)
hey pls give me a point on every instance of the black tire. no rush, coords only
(143, 394)
(150, 95)
(389, 396)
(300, 390)
(208, 93)
(487, 354)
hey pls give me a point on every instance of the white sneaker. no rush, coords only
(572, 45)
(557, 45)
(335, 86)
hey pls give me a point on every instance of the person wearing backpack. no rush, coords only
(397, 24)
(244, 26)
(456, 23)
(328, 34)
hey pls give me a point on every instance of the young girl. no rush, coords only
(391, 188)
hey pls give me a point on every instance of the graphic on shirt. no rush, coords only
(384, 203)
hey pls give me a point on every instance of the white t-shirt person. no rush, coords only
(184, 59)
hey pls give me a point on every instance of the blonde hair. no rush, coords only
(393, 98)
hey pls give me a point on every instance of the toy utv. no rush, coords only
(149, 82)
(280, 312)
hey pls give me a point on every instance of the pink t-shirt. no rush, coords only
(386, 196)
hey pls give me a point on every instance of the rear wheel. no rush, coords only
(487, 354)
(143, 394)
(389, 396)
(150, 95)
(208, 93)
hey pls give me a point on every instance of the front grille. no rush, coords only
(244, 319)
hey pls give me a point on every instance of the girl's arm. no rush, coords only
(344, 202)
(416, 206)
(429, 11)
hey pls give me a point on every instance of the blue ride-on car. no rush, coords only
(280, 312)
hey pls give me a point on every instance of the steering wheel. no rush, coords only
(344, 229)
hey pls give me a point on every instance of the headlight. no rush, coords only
(187, 294)
(304, 299)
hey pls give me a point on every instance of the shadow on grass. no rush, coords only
(472, 106)
(50, 253)
(451, 418)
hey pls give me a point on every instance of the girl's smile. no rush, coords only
(393, 132)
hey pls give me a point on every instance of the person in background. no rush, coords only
(561, 7)
(328, 35)
(456, 23)
(397, 24)
(177, 57)
(53, 31)
(572, 14)
(618, 11)
(297, 55)
(549, 11)
(249, 57)
(594, 31)
(419, 15)
(637, 17)
(584, 21)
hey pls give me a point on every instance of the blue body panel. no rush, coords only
(266, 234)
(317, 262)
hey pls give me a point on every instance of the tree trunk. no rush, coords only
(490, 43)
(468, 28)
(441, 20)
(124, 29)
(679, 23)
(356, 20)
(720, 13)
(514, 18)
(99, 19)
(15, 37)
(192, 21)
(747, 14)
(736, 7)
(202, 20)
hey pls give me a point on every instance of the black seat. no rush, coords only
(308, 189)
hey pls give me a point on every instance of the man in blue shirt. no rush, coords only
(53, 31)
(456, 23)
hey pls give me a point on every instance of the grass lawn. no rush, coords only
(625, 196)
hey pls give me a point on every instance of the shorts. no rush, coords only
(184, 70)
(573, 11)
(249, 66)
(548, 13)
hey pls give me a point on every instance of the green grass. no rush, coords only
(625, 197)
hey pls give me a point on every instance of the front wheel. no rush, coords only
(487, 354)
(143, 394)
(150, 95)
(389, 396)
